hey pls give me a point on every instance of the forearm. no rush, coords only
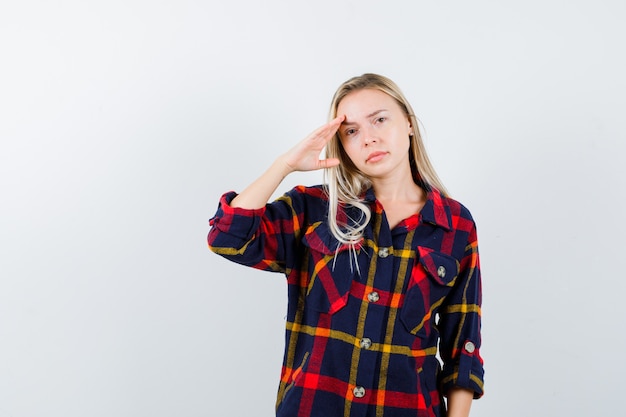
(302, 157)
(459, 402)
(257, 194)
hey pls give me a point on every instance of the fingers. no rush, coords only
(334, 124)
(327, 131)
(328, 163)
(305, 155)
(339, 119)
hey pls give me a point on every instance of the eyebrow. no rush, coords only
(347, 122)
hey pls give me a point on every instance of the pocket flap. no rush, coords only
(330, 269)
(441, 267)
(319, 238)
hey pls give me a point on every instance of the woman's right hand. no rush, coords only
(305, 156)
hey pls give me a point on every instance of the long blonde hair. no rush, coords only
(345, 184)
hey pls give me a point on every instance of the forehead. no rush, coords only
(364, 102)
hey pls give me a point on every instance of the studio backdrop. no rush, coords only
(122, 123)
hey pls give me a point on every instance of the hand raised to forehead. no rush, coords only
(305, 156)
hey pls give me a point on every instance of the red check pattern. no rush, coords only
(362, 334)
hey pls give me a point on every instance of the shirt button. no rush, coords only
(373, 297)
(366, 343)
(383, 252)
(469, 347)
(441, 271)
(359, 392)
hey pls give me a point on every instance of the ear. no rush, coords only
(410, 130)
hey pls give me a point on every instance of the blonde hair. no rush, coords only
(345, 184)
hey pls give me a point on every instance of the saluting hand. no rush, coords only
(305, 156)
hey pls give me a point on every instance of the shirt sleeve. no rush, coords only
(262, 238)
(459, 325)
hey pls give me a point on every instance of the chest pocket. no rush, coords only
(432, 278)
(331, 270)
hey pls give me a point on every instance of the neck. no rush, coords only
(390, 190)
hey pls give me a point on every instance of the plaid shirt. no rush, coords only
(362, 332)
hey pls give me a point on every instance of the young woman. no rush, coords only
(382, 266)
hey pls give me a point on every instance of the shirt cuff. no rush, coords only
(466, 372)
(238, 222)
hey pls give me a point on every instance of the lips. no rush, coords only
(375, 157)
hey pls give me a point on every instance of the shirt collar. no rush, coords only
(369, 195)
(435, 210)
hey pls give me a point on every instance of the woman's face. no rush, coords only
(375, 134)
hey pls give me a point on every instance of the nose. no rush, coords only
(368, 137)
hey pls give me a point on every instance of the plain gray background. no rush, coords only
(122, 122)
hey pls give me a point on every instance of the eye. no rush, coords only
(381, 119)
(350, 132)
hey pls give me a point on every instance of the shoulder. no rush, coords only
(311, 194)
(306, 199)
(457, 208)
(447, 212)
(315, 191)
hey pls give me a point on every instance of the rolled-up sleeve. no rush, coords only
(460, 325)
(232, 227)
(262, 238)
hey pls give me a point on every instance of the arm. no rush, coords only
(459, 402)
(303, 157)
(459, 325)
(249, 231)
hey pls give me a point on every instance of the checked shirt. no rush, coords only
(362, 330)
